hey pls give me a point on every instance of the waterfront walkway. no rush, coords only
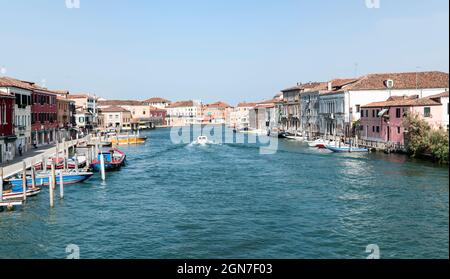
(32, 157)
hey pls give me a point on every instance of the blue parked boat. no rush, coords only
(43, 178)
(346, 149)
(114, 160)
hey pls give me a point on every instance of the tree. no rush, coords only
(421, 139)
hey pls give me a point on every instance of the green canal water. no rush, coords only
(229, 201)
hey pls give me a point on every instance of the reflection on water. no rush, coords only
(229, 201)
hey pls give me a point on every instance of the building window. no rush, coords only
(398, 113)
(358, 108)
(373, 113)
(378, 129)
(378, 113)
(427, 112)
(398, 130)
(373, 129)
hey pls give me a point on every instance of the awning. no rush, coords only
(383, 112)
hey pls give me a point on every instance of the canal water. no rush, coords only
(229, 201)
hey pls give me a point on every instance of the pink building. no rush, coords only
(216, 113)
(382, 121)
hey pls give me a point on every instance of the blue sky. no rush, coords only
(231, 50)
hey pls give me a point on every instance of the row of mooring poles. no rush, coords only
(52, 177)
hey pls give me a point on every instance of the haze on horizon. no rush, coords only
(216, 50)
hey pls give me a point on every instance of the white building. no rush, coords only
(116, 117)
(239, 117)
(340, 108)
(158, 102)
(84, 120)
(88, 103)
(184, 113)
(264, 117)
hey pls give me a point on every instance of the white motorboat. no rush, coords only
(320, 143)
(202, 140)
(297, 138)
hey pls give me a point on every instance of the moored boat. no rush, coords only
(296, 138)
(43, 178)
(347, 149)
(320, 143)
(17, 193)
(59, 163)
(127, 139)
(114, 159)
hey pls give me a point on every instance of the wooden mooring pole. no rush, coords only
(102, 167)
(51, 189)
(33, 177)
(24, 181)
(44, 163)
(61, 181)
(75, 159)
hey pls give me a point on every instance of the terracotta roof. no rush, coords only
(218, 105)
(114, 109)
(267, 103)
(181, 104)
(120, 103)
(246, 105)
(157, 100)
(445, 94)
(341, 82)
(42, 89)
(79, 96)
(62, 91)
(294, 88)
(411, 80)
(265, 106)
(404, 101)
(303, 86)
(12, 82)
(315, 86)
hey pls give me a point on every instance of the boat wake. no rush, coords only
(207, 143)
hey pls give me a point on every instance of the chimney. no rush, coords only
(330, 86)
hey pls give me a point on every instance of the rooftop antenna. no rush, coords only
(417, 80)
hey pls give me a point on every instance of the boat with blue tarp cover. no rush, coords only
(114, 160)
(43, 178)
